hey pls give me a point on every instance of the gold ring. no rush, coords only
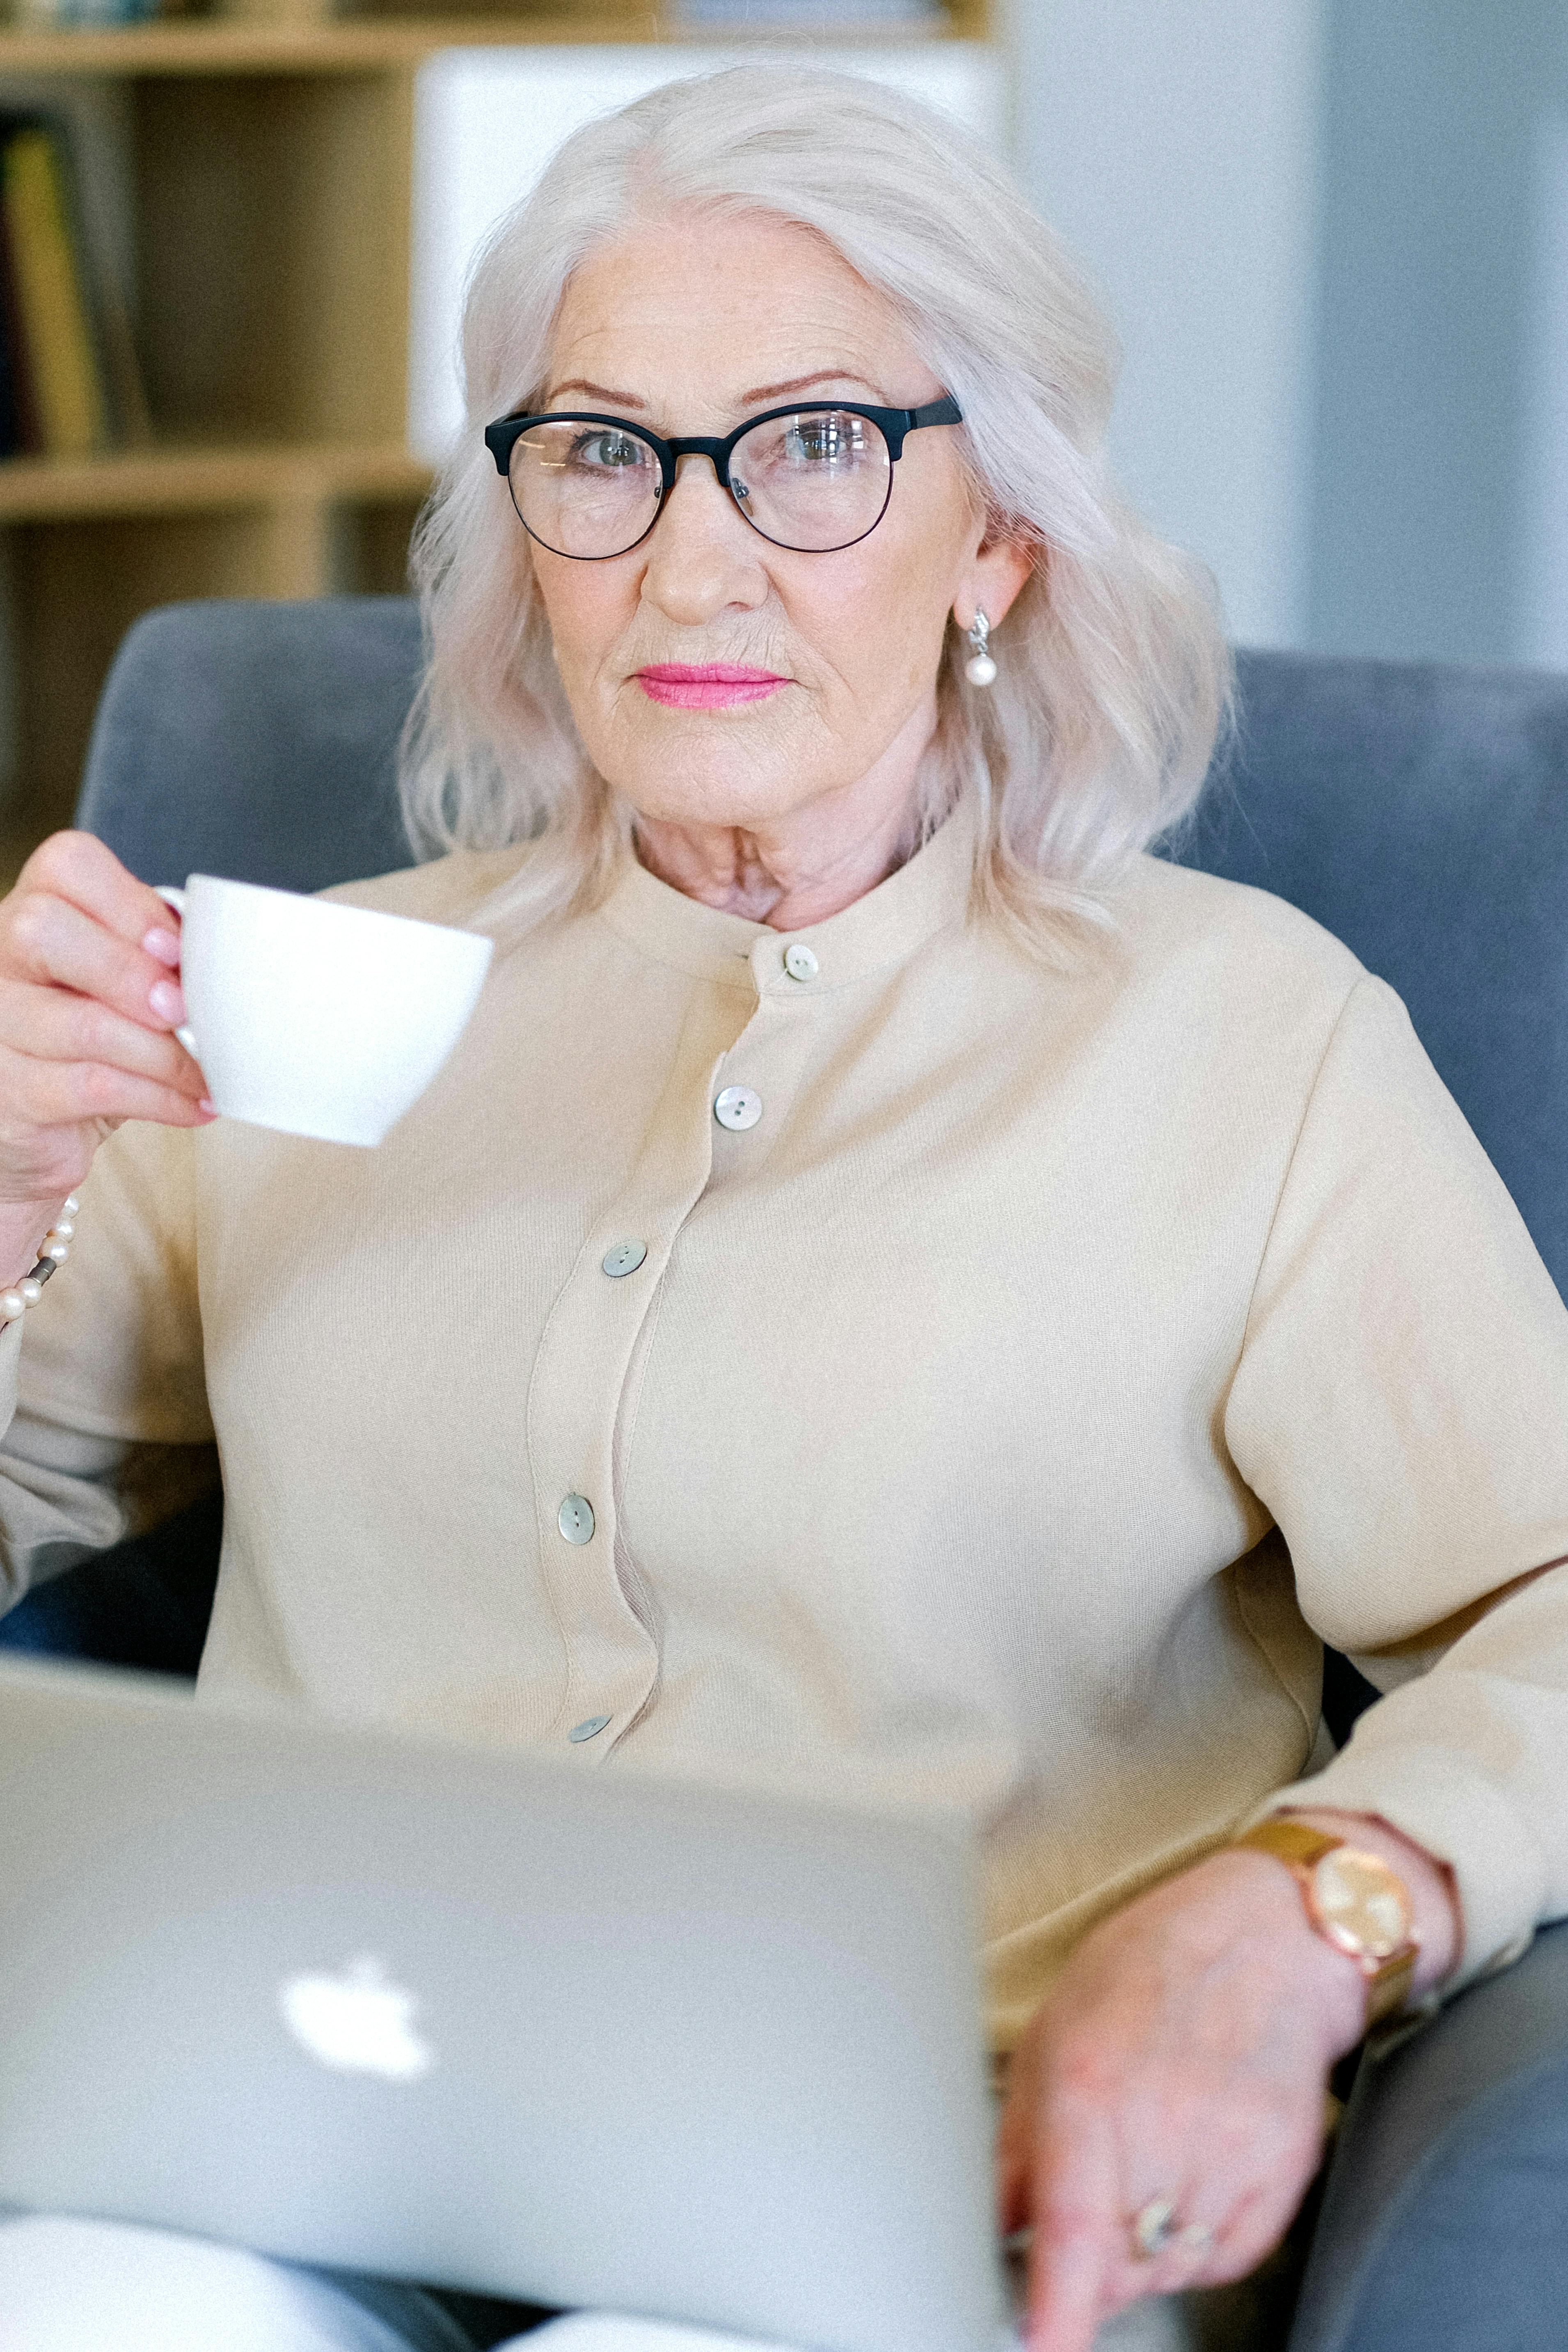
(1156, 2230)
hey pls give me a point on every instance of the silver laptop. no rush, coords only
(586, 2037)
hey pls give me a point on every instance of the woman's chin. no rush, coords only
(691, 778)
(734, 804)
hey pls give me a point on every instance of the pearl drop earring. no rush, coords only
(979, 669)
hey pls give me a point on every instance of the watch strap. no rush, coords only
(1388, 1984)
(1295, 1844)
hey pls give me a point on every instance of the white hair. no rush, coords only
(1114, 677)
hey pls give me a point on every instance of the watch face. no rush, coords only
(1363, 1906)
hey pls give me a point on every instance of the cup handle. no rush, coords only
(176, 899)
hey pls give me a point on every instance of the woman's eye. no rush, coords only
(819, 441)
(606, 449)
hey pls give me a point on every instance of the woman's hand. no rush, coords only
(89, 1001)
(1184, 2055)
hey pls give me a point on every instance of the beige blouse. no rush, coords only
(1006, 1411)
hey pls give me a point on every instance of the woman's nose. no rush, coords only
(702, 555)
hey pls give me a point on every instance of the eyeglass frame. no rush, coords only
(502, 437)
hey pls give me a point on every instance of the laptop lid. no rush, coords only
(583, 2036)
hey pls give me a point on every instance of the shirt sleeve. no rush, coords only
(102, 1399)
(1400, 1407)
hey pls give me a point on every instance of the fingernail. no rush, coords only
(167, 1001)
(163, 945)
(208, 1107)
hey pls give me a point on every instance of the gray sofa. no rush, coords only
(1419, 811)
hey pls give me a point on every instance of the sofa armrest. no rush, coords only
(1444, 2217)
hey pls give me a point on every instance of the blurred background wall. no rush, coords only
(1175, 146)
(1334, 236)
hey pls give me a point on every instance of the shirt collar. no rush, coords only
(886, 927)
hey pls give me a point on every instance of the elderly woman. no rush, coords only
(893, 1272)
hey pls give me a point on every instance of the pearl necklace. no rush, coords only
(52, 1254)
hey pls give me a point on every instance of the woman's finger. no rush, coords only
(1188, 2240)
(1015, 2150)
(1252, 2226)
(51, 942)
(81, 869)
(54, 1024)
(1074, 2256)
(42, 1095)
(1225, 2208)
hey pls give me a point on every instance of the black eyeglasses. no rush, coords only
(811, 479)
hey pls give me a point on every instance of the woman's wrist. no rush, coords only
(1332, 1985)
(1268, 1915)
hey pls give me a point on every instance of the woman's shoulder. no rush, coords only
(1241, 977)
(449, 890)
(1173, 917)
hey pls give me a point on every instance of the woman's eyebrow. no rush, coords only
(803, 383)
(594, 392)
(758, 394)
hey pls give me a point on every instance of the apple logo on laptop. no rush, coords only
(360, 2022)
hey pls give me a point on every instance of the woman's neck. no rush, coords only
(806, 864)
(747, 874)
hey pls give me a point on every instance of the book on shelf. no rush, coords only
(69, 383)
(49, 16)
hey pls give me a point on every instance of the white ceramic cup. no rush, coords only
(317, 1018)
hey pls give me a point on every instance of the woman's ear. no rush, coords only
(994, 577)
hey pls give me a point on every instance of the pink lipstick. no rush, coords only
(706, 686)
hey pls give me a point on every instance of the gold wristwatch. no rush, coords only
(1354, 1901)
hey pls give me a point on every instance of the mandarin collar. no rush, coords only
(886, 927)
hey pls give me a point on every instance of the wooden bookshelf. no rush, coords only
(270, 149)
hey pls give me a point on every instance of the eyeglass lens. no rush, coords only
(813, 482)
